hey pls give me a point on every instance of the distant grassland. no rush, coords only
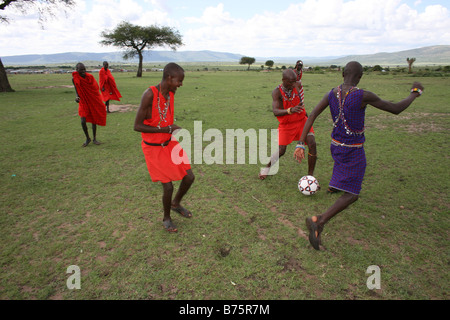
(96, 207)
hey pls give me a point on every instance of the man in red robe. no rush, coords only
(299, 70)
(90, 108)
(289, 109)
(166, 161)
(108, 85)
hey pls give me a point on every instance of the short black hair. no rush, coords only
(172, 69)
(79, 64)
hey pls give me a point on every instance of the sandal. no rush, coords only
(183, 211)
(314, 232)
(169, 226)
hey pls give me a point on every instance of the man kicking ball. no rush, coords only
(347, 105)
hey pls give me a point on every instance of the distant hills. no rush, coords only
(149, 56)
(434, 55)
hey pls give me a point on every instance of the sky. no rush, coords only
(262, 28)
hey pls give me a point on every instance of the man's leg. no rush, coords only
(273, 159)
(312, 153)
(85, 130)
(107, 106)
(315, 224)
(167, 199)
(341, 204)
(185, 185)
(94, 132)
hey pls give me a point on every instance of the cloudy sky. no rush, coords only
(261, 28)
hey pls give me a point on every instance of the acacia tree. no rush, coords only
(45, 8)
(410, 63)
(135, 39)
(247, 60)
(269, 63)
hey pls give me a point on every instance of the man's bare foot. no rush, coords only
(96, 142)
(87, 142)
(263, 173)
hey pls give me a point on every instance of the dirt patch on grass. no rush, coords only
(426, 123)
(122, 107)
(51, 87)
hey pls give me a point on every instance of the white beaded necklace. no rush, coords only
(163, 113)
(341, 116)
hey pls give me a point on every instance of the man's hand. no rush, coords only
(417, 85)
(299, 154)
(298, 109)
(77, 99)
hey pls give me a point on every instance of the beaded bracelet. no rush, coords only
(289, 111)
(302, 146)
(419, 91)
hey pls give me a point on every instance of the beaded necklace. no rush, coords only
(287, 94)
(341, 116)
(163, 113)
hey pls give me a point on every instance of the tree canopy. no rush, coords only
(247, 60)
(269, 63)
(45, 8)
(135, 39)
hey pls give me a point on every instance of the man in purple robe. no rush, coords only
(347, 105)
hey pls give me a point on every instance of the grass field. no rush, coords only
(96, 207)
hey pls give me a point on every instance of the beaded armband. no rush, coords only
(419, 91)
(301, 145)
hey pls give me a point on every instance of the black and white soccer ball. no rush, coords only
(308, 185)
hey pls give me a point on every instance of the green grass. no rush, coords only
(97, 208)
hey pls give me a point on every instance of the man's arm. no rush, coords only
(77, 99)
(277, 105)
(395, 108)
(102, 79)
(145, 112)
(299, 153)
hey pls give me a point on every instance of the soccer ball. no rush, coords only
(308, 185)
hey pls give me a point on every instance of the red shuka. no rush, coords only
(107, 81)
(168, 163)
(91, 106)
(291, 125)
